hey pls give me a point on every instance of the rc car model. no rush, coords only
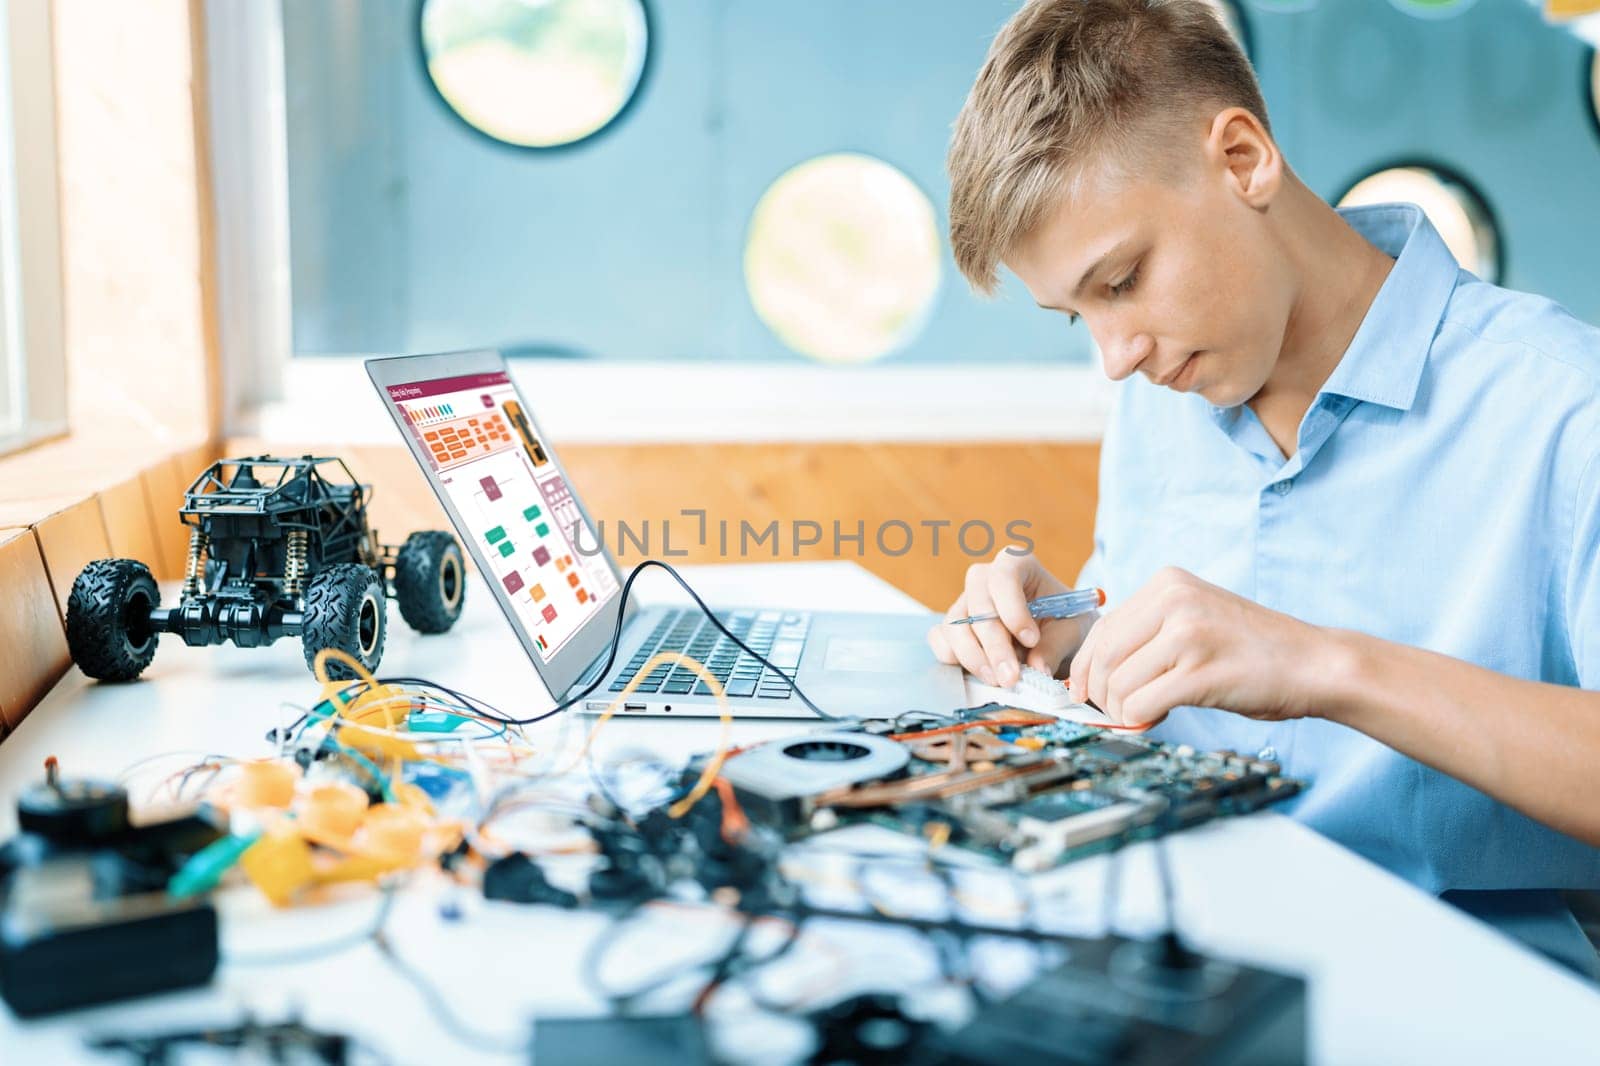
(277, 548)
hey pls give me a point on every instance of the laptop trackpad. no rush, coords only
(865, 655)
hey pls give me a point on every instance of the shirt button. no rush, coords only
(1282, 487)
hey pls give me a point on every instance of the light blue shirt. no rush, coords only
(1444, 493)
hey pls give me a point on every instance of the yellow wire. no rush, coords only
(331, 687)
(707, 776)
(330, 692)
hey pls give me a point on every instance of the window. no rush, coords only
(842, 258)
(1456, 210)
(1594, 87)
(32, 370)
(535, 73)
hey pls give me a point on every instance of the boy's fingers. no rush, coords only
(1124, 682)
(1057, 639)
(961, 641)
(998, 655)
(1011, 604)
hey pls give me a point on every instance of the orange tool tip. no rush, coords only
(1100, 597)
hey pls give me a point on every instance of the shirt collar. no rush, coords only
(1384, 362)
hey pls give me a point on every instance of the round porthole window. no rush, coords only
(842, 258)
(1456, 210)
(1594, 88)
(535, 73)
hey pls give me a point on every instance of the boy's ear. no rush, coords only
(1247, 155)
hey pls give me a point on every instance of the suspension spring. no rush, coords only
(294, 563)
(194, 567)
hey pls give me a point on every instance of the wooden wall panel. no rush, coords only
(129, 524)
(33, 642)
(71, 539)
(164, 491)
(1050, 487)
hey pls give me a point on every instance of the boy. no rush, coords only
(1338, 433)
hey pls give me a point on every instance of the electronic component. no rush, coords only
(518, 879)
(75, 812)
(280, 1042)
(1035, 690)
(1138, 1002)
(870, 1028)
(1023, 789)
(86, 916)
(1114, 749)
(780, 780)
(1053, 824)
(632, 1041)
(84, 928)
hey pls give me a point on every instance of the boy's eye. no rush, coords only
(1125, 286)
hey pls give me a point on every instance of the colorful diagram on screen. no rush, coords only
(452, 440)
(513, 502)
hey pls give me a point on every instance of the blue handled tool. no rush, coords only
(1068, 604)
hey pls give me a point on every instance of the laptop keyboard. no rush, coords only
(779, 636)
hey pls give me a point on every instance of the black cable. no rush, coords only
(481, 706)
(601, 946)
(444, 1012)
(616, 640)
(1168, 896)
(721, 969)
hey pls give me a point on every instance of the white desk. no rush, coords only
(1395, 975)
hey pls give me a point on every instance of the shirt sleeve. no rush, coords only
(1096, 570)
(1093, 572)
(1583, 577)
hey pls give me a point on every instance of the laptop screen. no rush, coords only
(484, 453)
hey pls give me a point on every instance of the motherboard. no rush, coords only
(1015, 786)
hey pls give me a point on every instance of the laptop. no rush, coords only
(524, 523)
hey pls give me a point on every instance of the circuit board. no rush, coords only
(1016, 787)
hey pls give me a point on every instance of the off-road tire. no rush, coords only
(345, 608)
(430, 581)
(108, 619)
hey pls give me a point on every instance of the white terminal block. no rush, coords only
(1035, 691)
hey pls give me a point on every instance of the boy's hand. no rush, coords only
(989, 649)
(1180, 641)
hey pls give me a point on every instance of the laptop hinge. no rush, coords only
(587, 676)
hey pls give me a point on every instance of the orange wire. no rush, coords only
(734, 822)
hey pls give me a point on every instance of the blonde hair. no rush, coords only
(1065, 78)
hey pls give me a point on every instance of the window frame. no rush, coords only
(621, 114)
(1449, 175)
(33, 393)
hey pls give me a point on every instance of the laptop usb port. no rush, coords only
(633, 707)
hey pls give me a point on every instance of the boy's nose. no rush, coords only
(1122, 359)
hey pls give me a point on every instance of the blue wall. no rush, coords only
(410, 231)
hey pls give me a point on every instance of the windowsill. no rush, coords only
(47, 476)
(15, 444)
(328, 398)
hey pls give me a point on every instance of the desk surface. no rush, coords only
(1395, 975)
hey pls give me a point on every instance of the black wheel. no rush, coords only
(108, 619)
(430, 581)
(344, 609)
